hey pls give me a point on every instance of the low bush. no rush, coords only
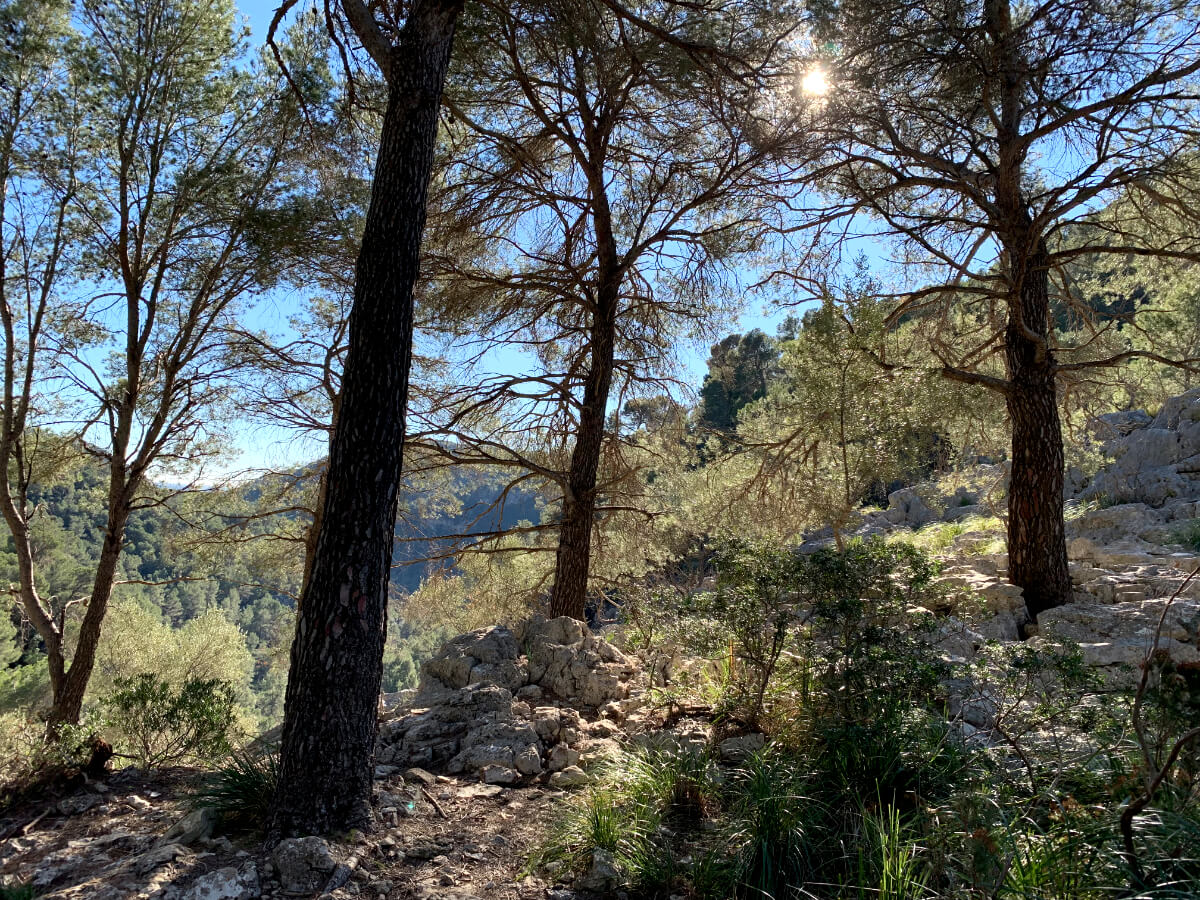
(162, 725)
(873, 784)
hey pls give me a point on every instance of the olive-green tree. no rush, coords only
(183, 198)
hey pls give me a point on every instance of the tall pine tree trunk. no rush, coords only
(574, 555)
(1037, 547)
(328, 742)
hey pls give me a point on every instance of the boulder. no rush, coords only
(303, 864)
(571, 776)
(602, 877)
(916, 511)
(484, 656)
(226, 884)
(736, 749)
(432, 737)
(496, 744)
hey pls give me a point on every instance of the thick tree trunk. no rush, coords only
(1037, 547)
(328, 741)
(574, 555)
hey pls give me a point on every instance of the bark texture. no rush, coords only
(328, 741)
(573, 557)
(1037, 544)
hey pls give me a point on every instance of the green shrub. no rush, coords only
(163, 725)
(28, 757)
(753, 613)
(241, 789)
(770, 827)
(627, 811)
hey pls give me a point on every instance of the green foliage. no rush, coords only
(771, 817)
(740, 369)
(872, 784)
(843, 615)
(638, 798)
(241, 788)
(1187, 533)
(164, 724)
(20, 892)
(29, 756)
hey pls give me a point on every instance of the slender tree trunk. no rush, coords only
(31, 602)
(69, 701)
(1037, 546)
(328, 742)
(574, 555)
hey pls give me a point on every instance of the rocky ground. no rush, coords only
(506, 722)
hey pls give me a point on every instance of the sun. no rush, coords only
(815, 82)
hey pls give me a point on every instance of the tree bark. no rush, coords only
(1037, 545)
(328, 741)
(68, 702)
(574, 555)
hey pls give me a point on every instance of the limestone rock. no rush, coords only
(226, 884)
(1122, 633)
(1153, 462)
(432, 737)
(561, 756)
(602, 877)
(303, 864)
(498, 774)
(573, 664)
(484, 656)
(571, 776)
(197, 824)
(159, 856)
(736, 749)
(497, 744)
(915, 510)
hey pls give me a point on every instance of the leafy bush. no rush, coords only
(164, 725)
(832, 627)
(28, 757)
(241, 789)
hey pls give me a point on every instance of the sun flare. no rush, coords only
(815, 82)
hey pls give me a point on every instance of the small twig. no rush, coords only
(436, 805)
(19, 830)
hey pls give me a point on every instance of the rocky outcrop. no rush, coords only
(1122, 633)
(502, 705)
(1153, 460)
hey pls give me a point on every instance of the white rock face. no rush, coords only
(1154, 462)
(473, 724)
